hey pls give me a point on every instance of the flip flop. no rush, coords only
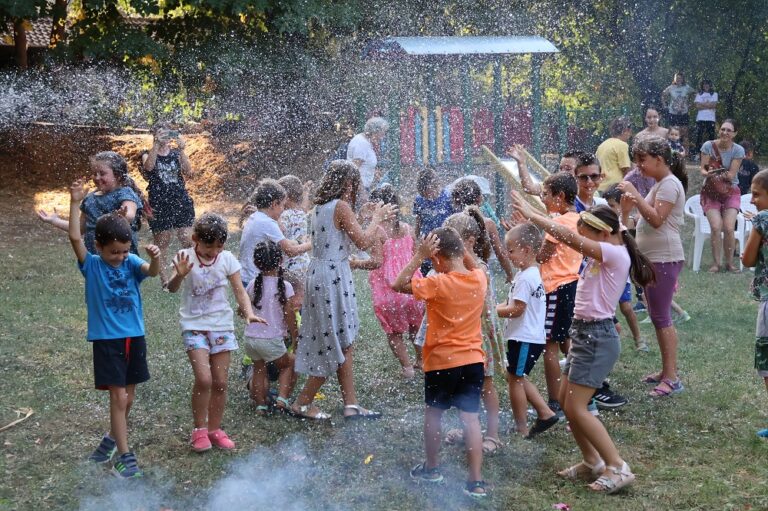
(360, 413)
(491, 445)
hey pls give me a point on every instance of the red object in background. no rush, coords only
(516, 128)
(456, 133)
(483, 127)
(407, 136)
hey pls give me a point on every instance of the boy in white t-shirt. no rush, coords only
(525, 311)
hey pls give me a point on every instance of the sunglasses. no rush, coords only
(586, 177)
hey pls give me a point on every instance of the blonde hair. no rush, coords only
(470, 222)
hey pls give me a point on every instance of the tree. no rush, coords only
(19, 14)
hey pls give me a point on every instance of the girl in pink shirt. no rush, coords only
(595, 345)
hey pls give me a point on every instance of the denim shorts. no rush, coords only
(214, 342)
(595, 348)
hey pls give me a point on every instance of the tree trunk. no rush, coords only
(59, 28)
(20, 42)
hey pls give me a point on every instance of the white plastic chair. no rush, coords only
(702, 231)
(747, 207)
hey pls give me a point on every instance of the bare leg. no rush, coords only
(163, 240)
(631, 317)
(201, 389)
(473, 440)
(519, 401)
(729, 237)
(552, 369)
(400, 351)
(677, 308)
(491, 403)
(590, 434)
(307, 394)
(433, 435)
(219, 372)
(667, 338)
(287, 379)
(259, 383)
(118, 417)
(716, 226)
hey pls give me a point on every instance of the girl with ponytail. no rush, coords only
(611, 254)
(658, 237)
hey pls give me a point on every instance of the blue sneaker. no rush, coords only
(763, 433)
(104, 452)
(639, 307)
(127, 467)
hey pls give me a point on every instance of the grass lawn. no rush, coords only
(697, 450)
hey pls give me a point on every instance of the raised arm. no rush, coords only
(186, 165)
(655, 214)
(345, 219)
(53, 219)
(76, 195)
(152, 269)
(426, 249)
(498, 249)
(529, 185)
(585, 246)
(376, 253)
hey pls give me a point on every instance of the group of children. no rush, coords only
(562, 298)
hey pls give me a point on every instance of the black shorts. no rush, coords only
(680, 120)
(171, 213)
(560, 304)
(119, 362)
(522, 356)
(457, 386)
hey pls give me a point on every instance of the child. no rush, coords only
(467, 193)
(207, 324)
(115, 192)
(470, 225)
(658, 236)
(293, 221)
(430, 207)
(756, 255)
(264, 343)
(115, 322)
(595, 346)
(397, 313)
(524, 329)
(453, 354)
(588, 177)
(559, 273)
(652, 127)
(613, 196)
(269, 199)
(748, 167)
(329, 320)
(673, 137)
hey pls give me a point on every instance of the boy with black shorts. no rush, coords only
(524, 329)
(115, 322)
(453, 353)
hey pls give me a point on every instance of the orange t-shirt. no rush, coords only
(563, 266)
(455, 303)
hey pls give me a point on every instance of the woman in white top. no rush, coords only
(705, 103)
(362, 152)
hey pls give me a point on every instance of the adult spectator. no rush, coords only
(165, 167)
(720, 195)
(361, 150)
(613, 153)
(705, 103)
(677, 100)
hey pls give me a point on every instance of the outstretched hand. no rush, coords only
(46, 217)
(383, 212)
(182, 264)
(517, 153)
(521, 207)
(77, 190)
(153, 251)
(253, 318)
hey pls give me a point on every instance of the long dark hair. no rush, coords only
(388, 195)
(657, 146)
(641, 270)
(267, 256)
(340, 173)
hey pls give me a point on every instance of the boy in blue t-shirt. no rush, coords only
(115, 322)
(430, 207)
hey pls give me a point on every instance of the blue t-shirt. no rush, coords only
(93, 206)
(113, 298)
(432, 213)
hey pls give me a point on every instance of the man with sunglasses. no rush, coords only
(613, 153)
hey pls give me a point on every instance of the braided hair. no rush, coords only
(267, 256)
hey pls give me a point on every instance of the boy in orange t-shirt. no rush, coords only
(559, 274)
(453, 353)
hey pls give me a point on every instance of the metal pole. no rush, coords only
(467, 114)
(393, 137)
(562, 116)
(498, 135)
(536, 105)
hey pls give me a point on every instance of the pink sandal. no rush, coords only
(672, 387)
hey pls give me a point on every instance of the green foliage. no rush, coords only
(25, 9)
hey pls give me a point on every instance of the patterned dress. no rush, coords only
(329, 314)
(294, 222)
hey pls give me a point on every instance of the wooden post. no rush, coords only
(20, 42)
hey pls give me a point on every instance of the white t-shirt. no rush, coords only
(360, 148)
(259, 227)
(204, 302)
(707, 114)
(270, 309)
(602, 283)
(528, 327)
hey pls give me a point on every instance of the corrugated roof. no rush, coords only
(470, 45)
(39, 30)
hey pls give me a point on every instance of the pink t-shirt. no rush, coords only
(601, 283)
(270, 310)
